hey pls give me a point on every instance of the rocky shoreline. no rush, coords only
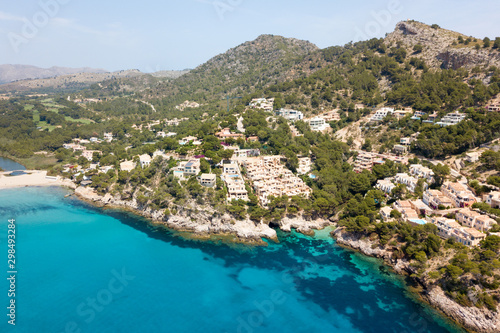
(471, 318)
(206, 223)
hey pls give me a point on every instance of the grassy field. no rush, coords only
(52, 107)
(36, 116)
(38, 162)
(83, 121)
(28, 107)
(44, 125)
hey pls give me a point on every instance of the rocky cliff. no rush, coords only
(440, 47)
(472, 318)
(204, 222)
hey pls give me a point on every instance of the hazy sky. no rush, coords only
(153, 35)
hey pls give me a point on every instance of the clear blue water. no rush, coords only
(81, 269)
(9, 165)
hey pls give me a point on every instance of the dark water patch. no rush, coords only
(366, 292)
(7, 164)
(22, 209)
(17, 173)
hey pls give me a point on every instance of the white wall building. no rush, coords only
(318, 124)
(381, 114)
(409, 181)
(451, 118)
(292, 115)
(208, 180)
(305, 165)
(262, 103)
(145, 160)
(419, 171)
(385, 185)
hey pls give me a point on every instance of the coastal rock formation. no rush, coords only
(302, 224)
(206, 222)
(201, 223)
(480, 320)
(473, 318)
(363, 245)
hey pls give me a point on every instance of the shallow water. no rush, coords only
(7, 164)
(82, 269)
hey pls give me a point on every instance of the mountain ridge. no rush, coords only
(15, 72)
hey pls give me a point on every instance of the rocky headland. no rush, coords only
(204, 222)
(472, 318)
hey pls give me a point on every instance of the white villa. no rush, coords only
(318, 124)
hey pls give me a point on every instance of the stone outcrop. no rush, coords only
(480, 320)
(201, 223)
(206, 222)
(438, 49)
(466, 57)
(359, 243)
(302, 224)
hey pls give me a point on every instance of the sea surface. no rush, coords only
(9, 165)
(83, 269)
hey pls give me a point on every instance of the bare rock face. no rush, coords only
(438, 49)
(480, 320)
(363, 245)
(303, 225)
(456, 58)
(201, 223)
(473, 318)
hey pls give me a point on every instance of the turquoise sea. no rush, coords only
(82, 269)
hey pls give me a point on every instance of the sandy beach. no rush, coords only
(32, 178)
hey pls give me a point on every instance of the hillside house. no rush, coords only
(262, 103)
(227, 134)
(305, 165)
(460, 195)
(409, 181)
(145, 160)
(492, 199)
(385, 185)
(207, 180)
(436, 198)
(289, 114)
(270, 177)
(451, 118)
(419, 171)
(318, 124)
(449, 228)
(420, 207)
(381, 114)
(385, 213)
(474, 219)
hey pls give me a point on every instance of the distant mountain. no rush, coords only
(170, 74)
(292, 69)
(252, 65)
(78, 81)
(64, 83)
(10, 73)
(249, 66)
